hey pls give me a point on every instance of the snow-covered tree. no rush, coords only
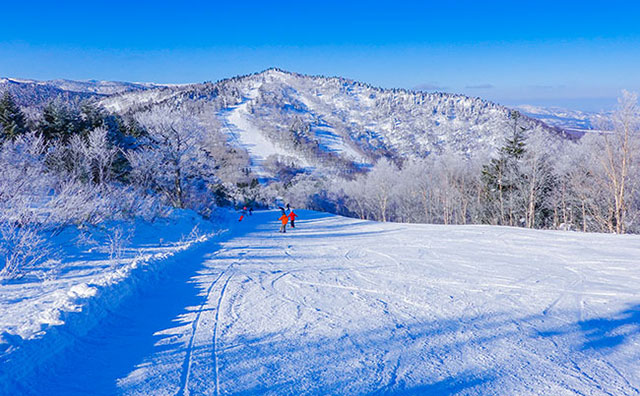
(173, 160)
(537, 181)
(619, 158)
(381, 187)
(94, 156)
(60, 121)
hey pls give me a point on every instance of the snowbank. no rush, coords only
(41, 317)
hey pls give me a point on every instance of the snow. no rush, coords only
(345, 306)
(18, 80)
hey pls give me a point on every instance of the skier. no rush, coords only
(241, 217)
(250, 211)
(288, 208)
(292, 217)
(284, 219)
(282, 210)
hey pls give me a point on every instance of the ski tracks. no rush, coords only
(186, 366)
(399, 317)
(215, 335)
(207, 305)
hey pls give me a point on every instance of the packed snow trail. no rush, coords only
(348, 307)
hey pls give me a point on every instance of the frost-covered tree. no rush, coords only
(24, 180)
(381, 188)
(173, 160)
(285, 168)
(420, 184)
(95, 155)
(619, 158)
(355, 196)
(22, 248)
(537, 181)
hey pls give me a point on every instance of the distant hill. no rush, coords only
(32, 93)
(572, 122)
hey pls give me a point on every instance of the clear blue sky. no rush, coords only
(577, 54)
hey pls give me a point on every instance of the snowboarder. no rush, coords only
(292, 217)
(284, 219)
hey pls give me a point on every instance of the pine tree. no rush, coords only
(12, 120)
(501, 175)
(59, 122)
(515, 145)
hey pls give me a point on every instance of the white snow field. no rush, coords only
(340, 306)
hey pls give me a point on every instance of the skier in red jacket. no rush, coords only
(292, 217)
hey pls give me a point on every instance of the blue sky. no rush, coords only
(575, 54)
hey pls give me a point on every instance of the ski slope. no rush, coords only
(341, 306)
(237, 124)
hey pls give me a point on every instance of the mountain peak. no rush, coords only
(275, 72)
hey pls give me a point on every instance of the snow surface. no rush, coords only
(344, 306)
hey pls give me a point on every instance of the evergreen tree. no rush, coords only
(501, 175)
(59, 122)
(12, 120)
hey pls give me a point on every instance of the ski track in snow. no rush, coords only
(341, 306)
(184, 388)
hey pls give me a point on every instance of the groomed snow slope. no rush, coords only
(350, 307)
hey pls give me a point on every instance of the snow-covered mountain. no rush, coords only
(312, 121)
(564, 119)
(329, 120)
(33, 93)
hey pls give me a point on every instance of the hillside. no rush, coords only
(342, 306)
(276, 137)
(330, 121)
